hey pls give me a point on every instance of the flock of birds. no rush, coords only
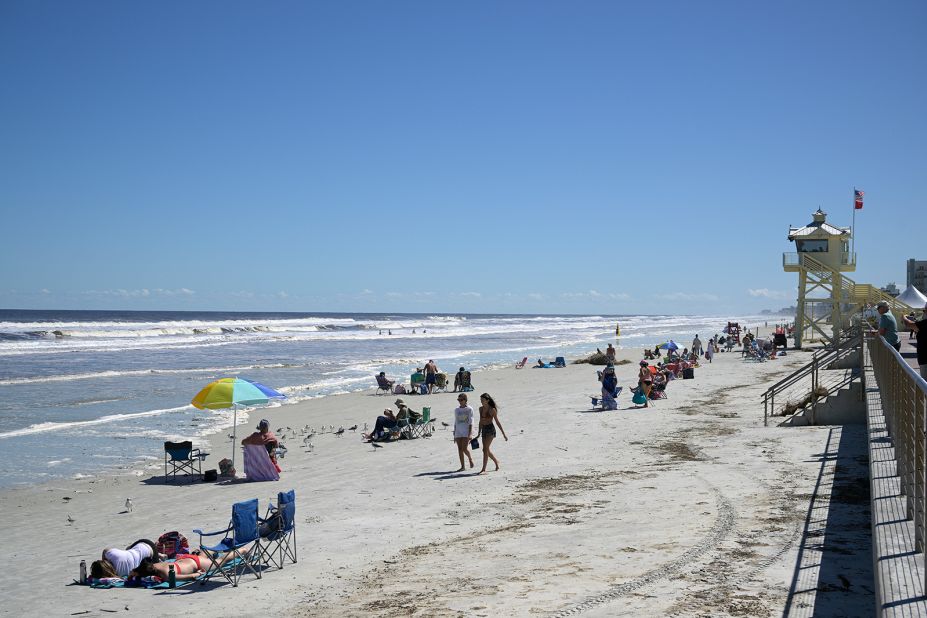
(307, 433)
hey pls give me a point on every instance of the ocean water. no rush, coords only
(93, 392)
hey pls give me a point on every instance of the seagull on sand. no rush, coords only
(365, 427)
(445, 425)
(129, 505)
(352, 428)
(339, 432)
(71, 520)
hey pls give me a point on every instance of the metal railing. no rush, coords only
(795, 385)
(799, 258)
(904, 403)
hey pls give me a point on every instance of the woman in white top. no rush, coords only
(463, 429)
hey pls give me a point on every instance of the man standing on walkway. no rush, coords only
(888, 327)
(920, 328)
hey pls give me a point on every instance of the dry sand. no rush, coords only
(688, 508)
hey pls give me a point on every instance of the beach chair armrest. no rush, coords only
(217, 532)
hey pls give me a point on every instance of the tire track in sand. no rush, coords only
(723, 526)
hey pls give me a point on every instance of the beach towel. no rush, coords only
(258, 465)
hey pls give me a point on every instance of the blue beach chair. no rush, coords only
(244, 532)
(279, 540)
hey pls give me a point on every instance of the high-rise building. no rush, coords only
(917, 274)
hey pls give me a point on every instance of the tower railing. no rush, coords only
(850, 291)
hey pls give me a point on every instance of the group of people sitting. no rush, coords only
(425, 382)
(651, 380)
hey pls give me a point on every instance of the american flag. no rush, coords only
(858, 199)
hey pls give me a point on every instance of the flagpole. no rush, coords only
(853, 226)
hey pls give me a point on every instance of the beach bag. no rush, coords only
(172, 543)
(399, 389)
(639, 398)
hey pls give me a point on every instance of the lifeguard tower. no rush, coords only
(822, 254)
(826, 298)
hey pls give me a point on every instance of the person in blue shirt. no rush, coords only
(888, 327)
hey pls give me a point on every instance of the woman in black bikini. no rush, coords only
(489, 419)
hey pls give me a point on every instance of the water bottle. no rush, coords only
(171, 576)
(83, 571)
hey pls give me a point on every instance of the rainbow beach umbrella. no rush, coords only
(231, 393)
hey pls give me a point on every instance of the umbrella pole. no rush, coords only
(234, 434)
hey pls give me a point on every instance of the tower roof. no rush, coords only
(818, 227)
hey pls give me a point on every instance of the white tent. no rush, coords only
(913, 297)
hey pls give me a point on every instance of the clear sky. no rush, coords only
(602, 157)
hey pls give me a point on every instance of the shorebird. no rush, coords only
(71, 520)
(352, 428)
(279, 429)
(375, 445)
(445, 425)
(339, 432)
(365, 426)
(309, 447)
(129, 505)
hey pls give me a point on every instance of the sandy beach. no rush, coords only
(690, 507)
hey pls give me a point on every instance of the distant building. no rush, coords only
(891, 289)
(917, 274)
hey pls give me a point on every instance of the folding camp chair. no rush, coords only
(279, 539)
(241, 532)
(182, 458)
(383, 385)
(560, 362)
(417, 384)
(424, 427)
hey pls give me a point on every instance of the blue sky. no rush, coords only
(601, 157)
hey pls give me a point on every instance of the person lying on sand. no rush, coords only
(120, 562)
(186, 566)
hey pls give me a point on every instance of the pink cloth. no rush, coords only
(258, 466)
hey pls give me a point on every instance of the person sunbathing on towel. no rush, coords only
(120, 562)
(541, 364)
(186, 566)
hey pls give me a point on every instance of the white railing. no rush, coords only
(904, 403)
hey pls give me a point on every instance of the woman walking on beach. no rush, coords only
(489, 419)
(463, 429)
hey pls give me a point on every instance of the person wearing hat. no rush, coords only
(403, 414)
(920, 329)
(266, 438)
(888, 327)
